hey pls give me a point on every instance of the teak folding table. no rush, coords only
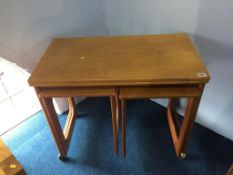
(121, 67)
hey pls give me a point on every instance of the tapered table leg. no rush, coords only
(114, 125)
(54, 125)
(123, 115)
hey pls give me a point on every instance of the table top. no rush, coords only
(120, 60)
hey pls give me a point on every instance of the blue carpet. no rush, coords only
(149, 145)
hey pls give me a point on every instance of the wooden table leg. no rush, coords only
(117, 112)
(62, 138)
(114, 125)
(54, 125)
(70, 121)
(123, 115)
(181, 133)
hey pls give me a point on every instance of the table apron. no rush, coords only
(173, 91)
(77, 91)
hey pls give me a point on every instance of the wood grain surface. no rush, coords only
(120, 60)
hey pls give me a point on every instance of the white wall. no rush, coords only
(214, 38)
(150, 16)
(27, 27)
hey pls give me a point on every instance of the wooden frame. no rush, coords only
(62, 137)
(143, 66)
(180, 132)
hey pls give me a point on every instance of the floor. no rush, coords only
(17, 100)
(149, 146)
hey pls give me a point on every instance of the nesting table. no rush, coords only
(121, 68)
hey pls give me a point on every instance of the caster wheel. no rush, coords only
(182, 156)
(61, 157)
